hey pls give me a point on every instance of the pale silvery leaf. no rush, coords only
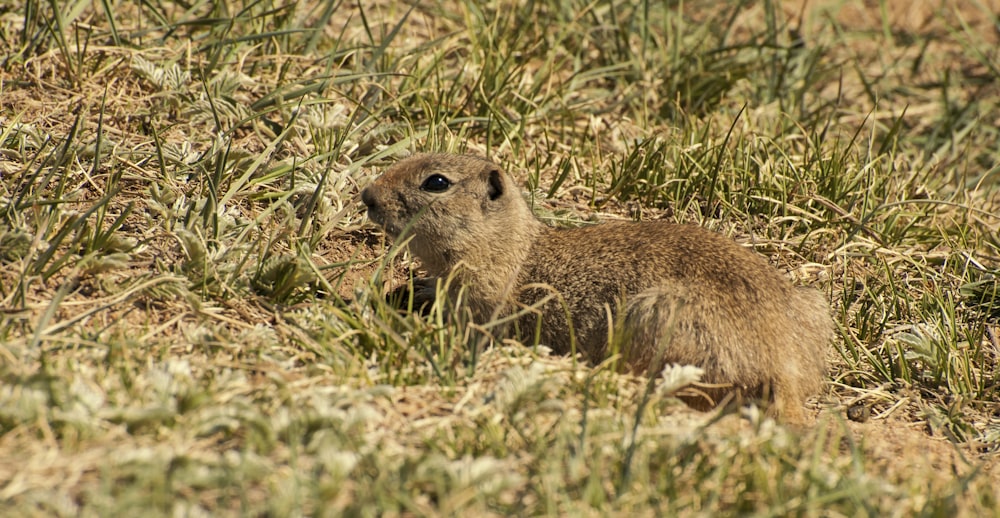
(676, 377)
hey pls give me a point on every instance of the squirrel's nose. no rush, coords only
(368, 198)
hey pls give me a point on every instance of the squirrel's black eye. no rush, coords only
(435, 183)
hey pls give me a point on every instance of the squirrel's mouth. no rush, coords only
(378, 217)
(375, 216)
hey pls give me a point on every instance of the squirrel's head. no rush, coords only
(450, 206)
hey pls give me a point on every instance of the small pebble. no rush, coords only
(858, 412)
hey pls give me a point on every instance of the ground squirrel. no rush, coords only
(675, 293)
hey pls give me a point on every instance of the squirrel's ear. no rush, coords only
(494, 184)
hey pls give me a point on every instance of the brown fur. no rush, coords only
(678, 293)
